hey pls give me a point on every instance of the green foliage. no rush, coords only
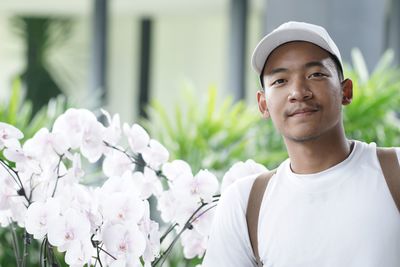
(371, 116)
(268, 147)
(207, 135)
(40, 35)
(18, 111)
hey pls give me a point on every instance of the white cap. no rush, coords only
(293, 31)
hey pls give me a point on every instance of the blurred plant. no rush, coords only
(18, 111)
(40, 34)
(267, 147)
(371, 116)
(208, 134)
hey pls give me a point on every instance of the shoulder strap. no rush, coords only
(253, 209)
(391, 170)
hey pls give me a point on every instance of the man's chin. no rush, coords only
(302, 138)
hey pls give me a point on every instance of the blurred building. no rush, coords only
(156, 48)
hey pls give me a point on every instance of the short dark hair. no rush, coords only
(338, 66)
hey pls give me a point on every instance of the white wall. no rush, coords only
(188, 51)
(11, 55)
(122, 66)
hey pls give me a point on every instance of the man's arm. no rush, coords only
(229, 243)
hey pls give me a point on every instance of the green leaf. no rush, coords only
(359, 65)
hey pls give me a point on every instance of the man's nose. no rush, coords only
(299, 91)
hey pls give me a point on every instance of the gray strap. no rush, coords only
(391, 170)
(253, 209)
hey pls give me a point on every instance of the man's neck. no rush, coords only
(319, 154)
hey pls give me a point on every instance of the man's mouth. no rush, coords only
(302, 112)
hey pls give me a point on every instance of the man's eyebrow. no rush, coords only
(276, 70)
(307, 65)
(314, 64)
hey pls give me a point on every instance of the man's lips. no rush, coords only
(302, 112)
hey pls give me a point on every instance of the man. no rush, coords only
(329, 203)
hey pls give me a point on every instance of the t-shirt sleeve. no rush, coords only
(229, 243)
(398, 153)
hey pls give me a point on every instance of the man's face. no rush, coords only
(303, 94)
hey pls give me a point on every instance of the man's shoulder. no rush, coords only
(373, 146)
(239, 190)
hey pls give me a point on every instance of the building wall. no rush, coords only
(190, 50)
(11, 55)
(356, 23)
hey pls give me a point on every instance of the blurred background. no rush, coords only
(181, 68)
(125, 52)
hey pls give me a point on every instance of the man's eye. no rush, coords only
(277, 82)
(316, 75)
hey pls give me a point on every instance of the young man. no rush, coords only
(329, 203)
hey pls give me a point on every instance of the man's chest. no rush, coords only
(352, 224)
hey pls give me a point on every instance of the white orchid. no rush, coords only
(76, 172)
(113, 130)
(155, 154)
(46, 144)
(80, 253)
(124, 242)
(72, 125)
(176, 169)
(92, 146)
(68, 229)
(194, 244)
(38, 216)
(202, 186)
(137, 137)
(124, 184)
(240, 170)
(148, 183)
(123, 208)
(8, 135)
(7, 189)
(116, 163)
(109, 222)
(167, 205)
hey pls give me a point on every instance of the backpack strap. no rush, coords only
(391, 171)
(253, 210)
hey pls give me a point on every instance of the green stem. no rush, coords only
(172, 227)
(25, 251)
(17, 253)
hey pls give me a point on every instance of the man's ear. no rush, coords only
(347, 91)
(262, 104)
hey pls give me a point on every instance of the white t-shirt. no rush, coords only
(344, 216)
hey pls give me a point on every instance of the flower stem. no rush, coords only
(15, 177)
(17, 252)
(27, 241)
(172, 227)
(58, 175)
